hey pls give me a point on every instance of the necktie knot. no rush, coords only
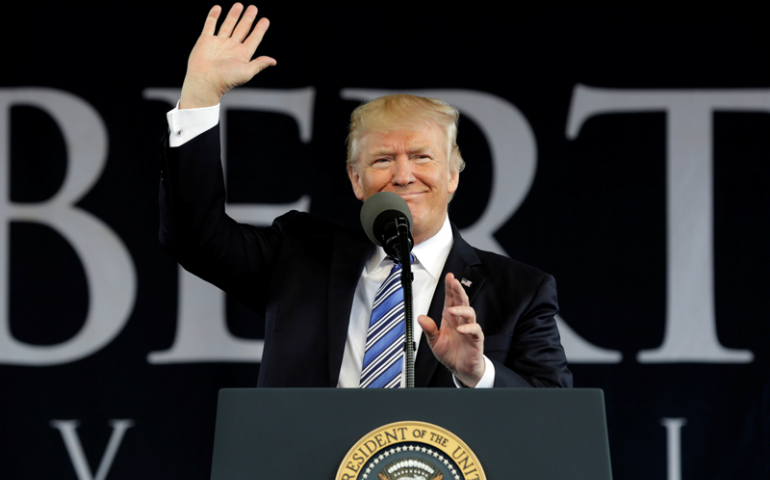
(397, 262)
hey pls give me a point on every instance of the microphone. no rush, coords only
(386, 219)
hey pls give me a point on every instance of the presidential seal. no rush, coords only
(410, 451)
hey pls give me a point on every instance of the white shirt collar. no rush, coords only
(431, 254)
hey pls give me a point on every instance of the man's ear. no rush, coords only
(355, 181)
(454, 180)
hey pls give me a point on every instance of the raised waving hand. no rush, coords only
(220, 61)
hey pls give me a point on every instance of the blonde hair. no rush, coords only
(404, 110)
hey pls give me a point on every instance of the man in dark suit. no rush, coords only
(490, 319)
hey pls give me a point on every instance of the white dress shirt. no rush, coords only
(430, 255)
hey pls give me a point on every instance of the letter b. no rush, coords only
(106, 261)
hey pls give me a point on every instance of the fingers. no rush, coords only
(210, 26)
(232, 18)
(455, 293)
(448, 292)
(461, 297)
(255, 38)
(472, 330)
(243, 27)
(457, 309)
(238, 30)
(463, 314)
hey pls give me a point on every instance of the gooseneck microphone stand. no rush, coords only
(402, 245)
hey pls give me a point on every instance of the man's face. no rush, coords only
(413, 163)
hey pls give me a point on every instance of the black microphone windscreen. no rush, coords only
(383, 206)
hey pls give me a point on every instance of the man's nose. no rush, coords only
(402, 171)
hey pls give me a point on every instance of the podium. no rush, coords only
(520, 434)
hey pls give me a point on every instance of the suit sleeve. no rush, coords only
(535, 356)
(196, 231)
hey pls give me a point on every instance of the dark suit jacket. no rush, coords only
(301, 273)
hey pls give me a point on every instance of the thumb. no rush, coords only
(261, 63)
(429, 329)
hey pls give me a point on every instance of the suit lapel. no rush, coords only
(461, 260)
(349, 254)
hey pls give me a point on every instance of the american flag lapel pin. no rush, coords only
(466, 282)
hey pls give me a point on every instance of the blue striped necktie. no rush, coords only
(383, 357)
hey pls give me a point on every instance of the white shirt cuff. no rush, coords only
(487, 380)
(184, 125)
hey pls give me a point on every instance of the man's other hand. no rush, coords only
(220, 61)
(459, 343)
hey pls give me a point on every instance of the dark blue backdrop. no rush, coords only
(597, 211)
